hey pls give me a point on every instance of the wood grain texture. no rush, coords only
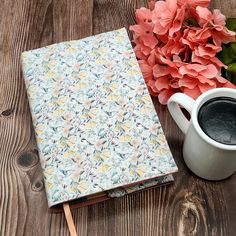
(191, 206)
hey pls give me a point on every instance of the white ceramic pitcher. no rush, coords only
(206, 157)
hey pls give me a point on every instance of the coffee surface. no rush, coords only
(217, 118)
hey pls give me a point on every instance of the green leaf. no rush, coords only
(231, 24)
(228, 75)
(232, 67)
(227, 55)
(233, 46)
(233, 78)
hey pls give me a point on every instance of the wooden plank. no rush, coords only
(21, 179)
(190, 206)
(228, 8)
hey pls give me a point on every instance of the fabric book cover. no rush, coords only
(96, 127)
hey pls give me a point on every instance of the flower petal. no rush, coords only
(165, 95)
(204, 14)
(178, 21)
(150, 40)
(193, 93)
(210, 71)
(159, 70)
(188, 82)
(205, 87)
(152, 88)
(220, 79)
(162, 83)
(229, 85)
(219, 18)
(203, 80)
(218, 63)
(143, 14)
(152, 59)
(146, 69)
(138, 29)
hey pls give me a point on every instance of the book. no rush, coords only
(96, 128)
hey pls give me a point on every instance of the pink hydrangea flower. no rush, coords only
(176, 42)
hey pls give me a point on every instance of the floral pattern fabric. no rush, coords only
(95, 124)
(120, 192)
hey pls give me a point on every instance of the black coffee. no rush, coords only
(217, 118)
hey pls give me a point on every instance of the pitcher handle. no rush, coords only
(174, 103)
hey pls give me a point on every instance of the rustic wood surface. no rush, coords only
(191, 206)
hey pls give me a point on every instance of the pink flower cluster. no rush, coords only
(176, 42)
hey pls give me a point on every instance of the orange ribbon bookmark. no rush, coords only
(69, 219)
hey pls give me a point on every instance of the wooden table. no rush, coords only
(190, 206)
